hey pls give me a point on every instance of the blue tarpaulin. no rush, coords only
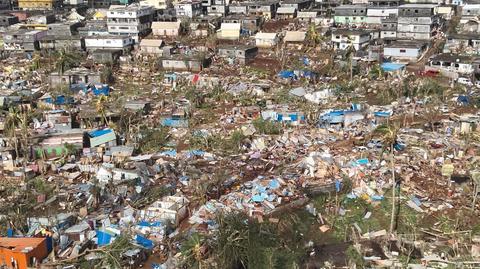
(100, 132)
(390, 67)
(144, 223)
(287, 74)
(59, 100)
(170, 153)
(362, 161)
(49, 241)
(338, 185)
(382, 114)
(306, 61)
(171, 122)
(101, 90)
(399, 146)
(463, 99)
(274, 184)
(356, 107)
(103, 238)
(144, 242)
(195, 152)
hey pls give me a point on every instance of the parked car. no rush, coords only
(428, 73)
(464, 81)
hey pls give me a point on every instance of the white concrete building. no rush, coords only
(404, 50)
(188, 9)
(133, 20)
(266, 40)
(358, 38)
(166, 28)
(157, 4)
(108, 42)
(376, 14)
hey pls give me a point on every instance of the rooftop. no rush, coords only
(107, 37)
(351, 6)
(418, 6)
(21, 244)
(132, 7)
(474, 36)
(448, 57)
(151, 42)
(236, 47)
(286, 10)
(352, 31)
(406, 44)
(266, 35)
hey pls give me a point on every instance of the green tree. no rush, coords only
(153, 140)
(65, 59)
(245, 243)
(313, 37)
(375, 72)
(101, 106)
(267, 127)
(193, 252)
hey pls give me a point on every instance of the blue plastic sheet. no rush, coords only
(390, 67)
(103, 238)
(144, 242)
(338, 185)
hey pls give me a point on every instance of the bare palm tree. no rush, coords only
(12, 122)
(349, 53)
(101, 107)
(389, 134)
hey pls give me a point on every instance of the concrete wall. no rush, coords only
(415, 20)
(402, 53)
(413, 36)
(350, 19)
(417, 28)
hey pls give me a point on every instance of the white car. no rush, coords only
(465, 81)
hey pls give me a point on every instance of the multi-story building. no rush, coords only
(377, 13)
(381, 9)
(39, 4)
(7, 20)
(157, 4)
(388, 29)
(470, 12)
(266, 9)
(133, 20)
(22, 40)
(107, 3)
(108, 42)
(218, 8)
(215, 7)
(351, 14)
(297, 4)
(325, 8)
(417, 21)
(250, 24)
(189, 9)
(453, 63)
(383, 3)
(4, 4)
(357, 38)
